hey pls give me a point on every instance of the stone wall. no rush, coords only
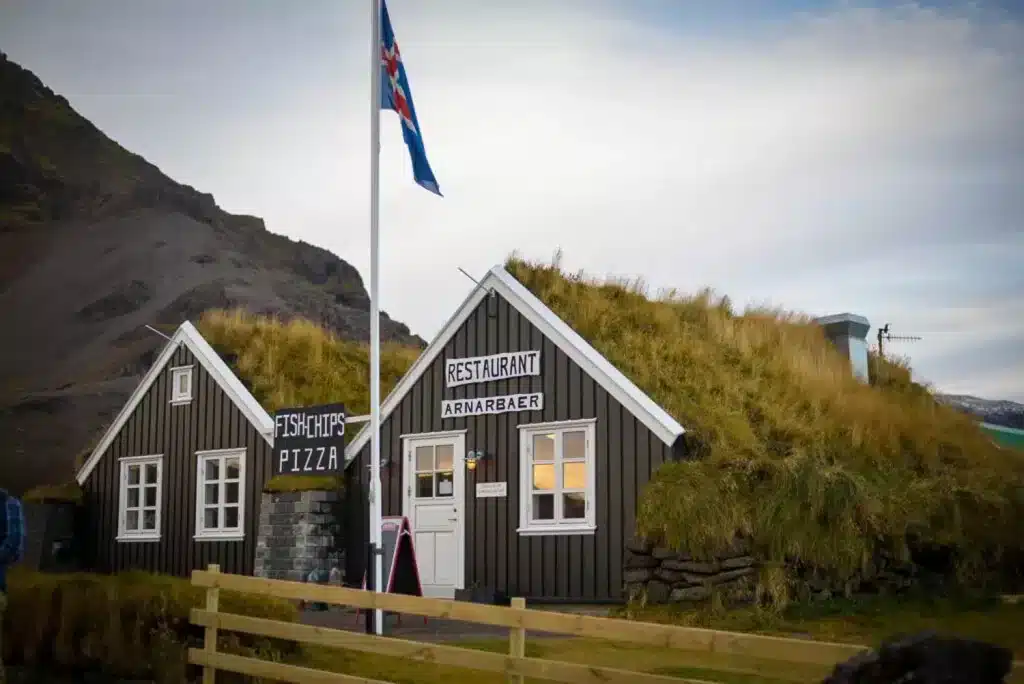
(301, 537)
(667, 576)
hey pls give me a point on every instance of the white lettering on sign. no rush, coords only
(508, 403)
(310, 426)
(308, 460)
(487, 368)
(491, 490)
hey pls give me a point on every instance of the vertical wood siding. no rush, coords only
(210, 421)
(568, 567)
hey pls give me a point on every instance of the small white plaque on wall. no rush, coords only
(491, 490)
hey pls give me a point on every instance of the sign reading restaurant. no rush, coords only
(477, 369)
(489, 368)
(309, 440)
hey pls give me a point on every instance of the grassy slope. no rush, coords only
(796, 453)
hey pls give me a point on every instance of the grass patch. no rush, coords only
(63, 493)
(130, 625)
(304, 483)
(793, 451)
(298, 363)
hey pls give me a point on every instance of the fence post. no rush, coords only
(517, 641)
(210, 637)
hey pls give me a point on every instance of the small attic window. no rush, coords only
(181, 385)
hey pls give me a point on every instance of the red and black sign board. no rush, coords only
(401, 570)
(398, 559)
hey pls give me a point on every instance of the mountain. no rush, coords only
(993, 411)
(96, 243)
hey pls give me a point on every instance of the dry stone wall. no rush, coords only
(664, 575)
(300, 537)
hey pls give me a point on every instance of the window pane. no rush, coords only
(445, 484)
(134, 472)
(133, 497)
(211, 519)
(574, 505)
(212, 494)
(544, 476)
(543, 448)
(445, 455)
(574, 444)
(543, 506)
(574, 475)
(212, 469)
(149, 520)
(231, 516)
(232, 468)
(424, 458)
(424, 485)
(183, 382)
(131, 520)
(231, 493)
(150, 496)
(150, 473)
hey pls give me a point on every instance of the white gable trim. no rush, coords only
(209, 359)
(655, 418)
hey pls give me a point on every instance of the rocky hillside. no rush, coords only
(992, 411)
(95, 244)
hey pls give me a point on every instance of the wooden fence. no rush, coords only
(778, 658)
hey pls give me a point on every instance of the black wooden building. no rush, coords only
(174, 483)
(562, 444)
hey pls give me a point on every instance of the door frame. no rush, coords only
(458, 438)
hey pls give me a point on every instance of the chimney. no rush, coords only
(849, 333)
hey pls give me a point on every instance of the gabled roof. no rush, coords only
(209, 359)
(555, 329)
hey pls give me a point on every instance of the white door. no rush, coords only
(434, 484)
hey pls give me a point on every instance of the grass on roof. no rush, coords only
(298, 363)
(794, 452)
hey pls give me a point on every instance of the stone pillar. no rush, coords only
(300, 537)
(849, 333)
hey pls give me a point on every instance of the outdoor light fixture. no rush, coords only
(472, 457)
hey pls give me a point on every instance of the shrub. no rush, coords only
(791, 450)
(132, 624)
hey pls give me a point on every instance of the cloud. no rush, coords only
(863, 159)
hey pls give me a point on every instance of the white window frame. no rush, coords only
(123, 533)
(219, 533)
(185, 397)
(588, 524)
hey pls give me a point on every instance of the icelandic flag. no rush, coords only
(396, 96)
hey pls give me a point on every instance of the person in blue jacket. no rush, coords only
(12, 546)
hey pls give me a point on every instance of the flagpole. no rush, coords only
(375, 484)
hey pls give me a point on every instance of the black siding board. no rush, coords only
(210, 421)
(576, 567)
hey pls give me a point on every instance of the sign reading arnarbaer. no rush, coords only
(309, 440)
(489, 368)
(508, 403)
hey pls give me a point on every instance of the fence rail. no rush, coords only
(779, 658)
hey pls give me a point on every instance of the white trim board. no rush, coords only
(621, 388)
(187, 335)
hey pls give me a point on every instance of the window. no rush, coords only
(181, 385)
(557, 478)
(140, 498)
(220, 504)
(435, 475)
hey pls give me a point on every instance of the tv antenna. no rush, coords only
(884, 334)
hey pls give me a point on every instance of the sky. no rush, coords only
(820, 156)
